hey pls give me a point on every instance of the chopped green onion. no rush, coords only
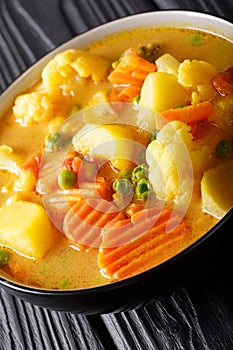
(64, 283)
(136, 100)
(224, 149)
(196, 39)
(153, 135)
(4, 256)
(66, 179)
(53, 142)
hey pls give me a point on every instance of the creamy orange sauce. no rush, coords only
(64, 266)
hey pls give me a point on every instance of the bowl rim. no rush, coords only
(216, 25)
(205, 22)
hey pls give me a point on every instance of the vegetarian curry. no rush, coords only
(118, 158)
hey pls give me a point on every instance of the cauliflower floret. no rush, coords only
(89, 65)
(197, 76)
(173, 158)
(170, 165)
(59, 77)
(66, 70)
(33, 108)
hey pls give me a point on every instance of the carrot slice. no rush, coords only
(189, 114)
(223, 82)
(150, 247)
(33, 164)
(84, 222)
(132, 71)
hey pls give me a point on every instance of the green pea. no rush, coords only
(224, 149)
(136, 100)
(123, 186)
(196, 39)
(4, 256)
(140, 172)
(53, 142)
(142, 189)
(66, 179)
(149, 51)
(153, 135)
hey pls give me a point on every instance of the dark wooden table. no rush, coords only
(195, 318)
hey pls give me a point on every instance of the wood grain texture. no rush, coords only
(196, 318)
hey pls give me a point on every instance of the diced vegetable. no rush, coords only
(189, 114)
(33, 164)
(149, 51)
(111, 142)
(123, 186)
(102, 107)
(196, 39)
(192, 73)
(4, 256)
(25, 227)
(132, 69)
(63, 69)
(25, 180)
(217, 190)
(170, 165)
(131, 246)
(197, 77)
(167, 64)
(222, 115)
(161, 91)
(84, 221)
(139, 172)
(33, 108)
(224, 149)
(89, 65)
(153, 135)
(66, 179)
(9, 160)
(53, 142)
(223, 82)
(142, 189)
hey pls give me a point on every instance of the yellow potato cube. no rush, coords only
(217, 190)
(162, 91)
(168, 64)
(110, 142)
(25, 228)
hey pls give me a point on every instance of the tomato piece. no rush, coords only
(223, 82)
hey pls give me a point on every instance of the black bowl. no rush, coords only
(207, 260)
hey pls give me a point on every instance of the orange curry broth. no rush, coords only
(64, 266)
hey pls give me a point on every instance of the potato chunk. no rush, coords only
(162, 91)
(217, 190)
(25, 227)
(110, 142)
